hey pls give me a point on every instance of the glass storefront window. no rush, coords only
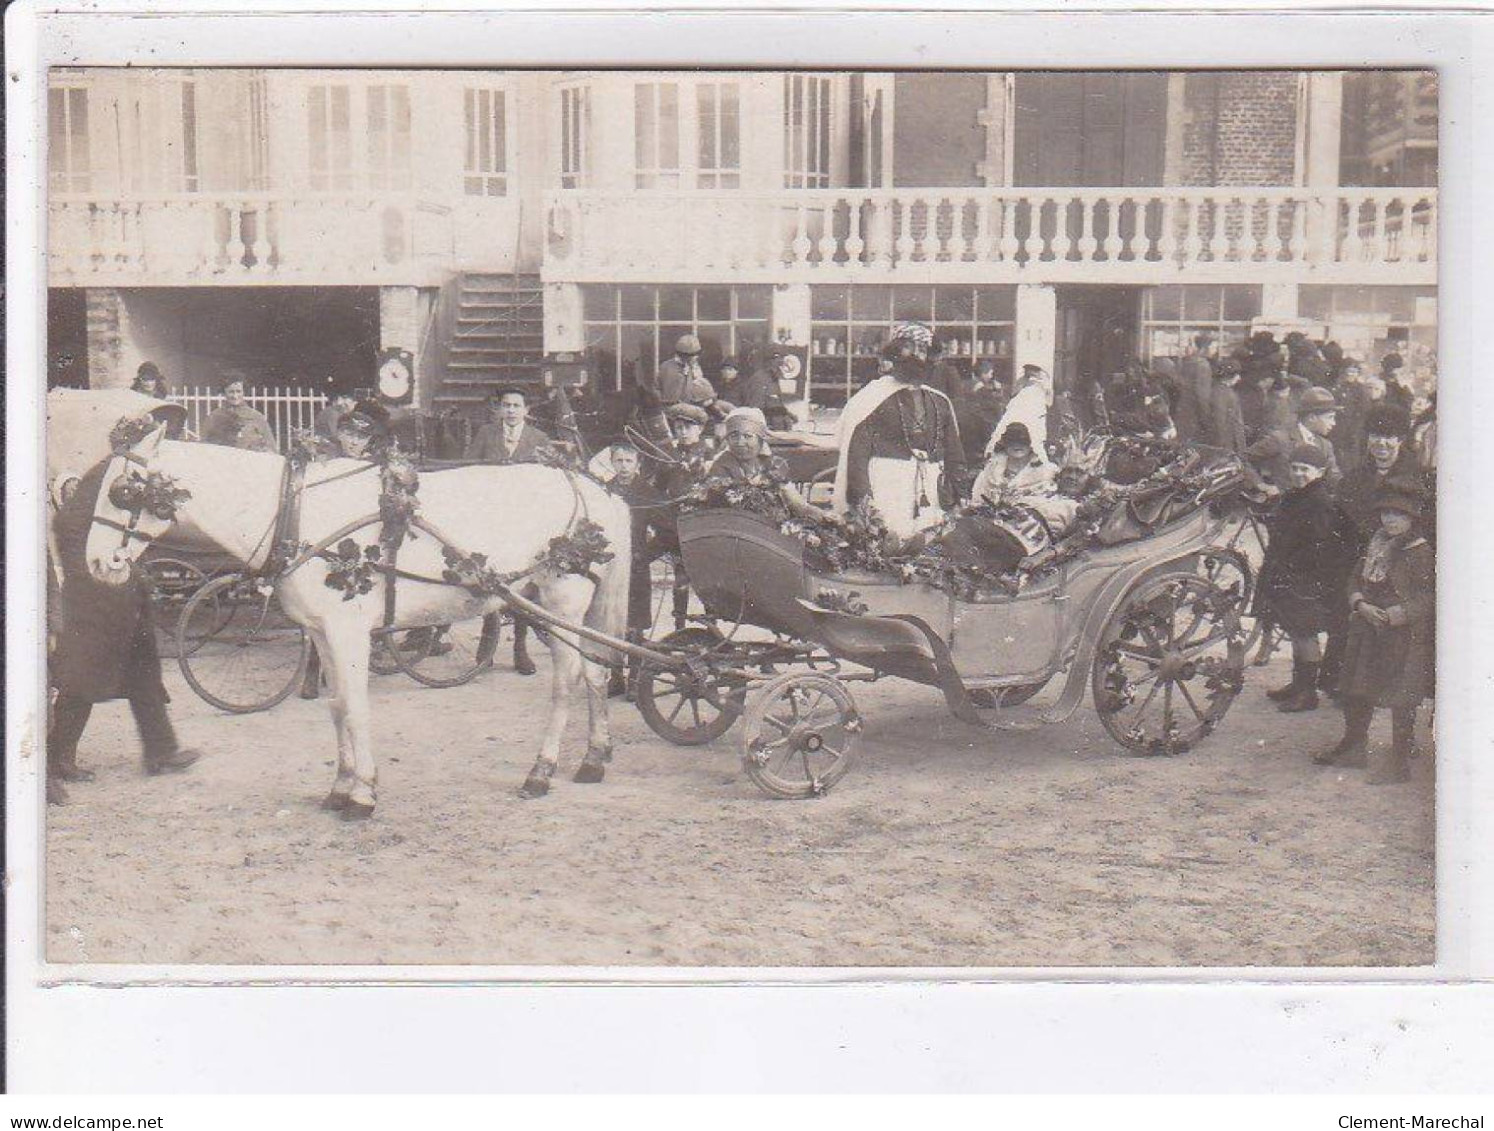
(1173, 316)
(631, 329)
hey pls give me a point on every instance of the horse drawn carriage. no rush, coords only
(1153, 625)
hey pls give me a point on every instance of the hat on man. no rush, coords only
(1316, 400)
(1228, 367)
(1401, 495)
(687, 344)
(1310, 454)
(364, 418)
(1016, 433)
(694, 414)
(1387, 419)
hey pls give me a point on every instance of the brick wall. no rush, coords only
(107, 327)
(1239, 128)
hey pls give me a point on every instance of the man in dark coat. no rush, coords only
(978, 409)
(1195, 384)
(940, 373)
(1226, 424)
(102, 640)
(507, 437)
(646, 507)
(1390, 657)
(1309, 548)
(1270, 455)
(752, 390)
(679, 379)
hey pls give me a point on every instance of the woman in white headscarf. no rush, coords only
(1029, 407)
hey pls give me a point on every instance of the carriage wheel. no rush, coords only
(683, 707)
(446, 655)
(1230, 569)
(237, 648)
(171, 583)
(799, 734)
(1169, 664)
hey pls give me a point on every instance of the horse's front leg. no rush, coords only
(342, 787)
(346, 663)
(599, 733)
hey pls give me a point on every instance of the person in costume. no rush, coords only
(899, 443)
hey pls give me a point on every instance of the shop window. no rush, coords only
(1369, 322)
(388, 137)
(806, 131)
(849, 326)
(1172, 317)
(575, 136)
(718, 117)
(68, 158)
(631, 329)
(656, 135)
(486, 115)
(330, 140)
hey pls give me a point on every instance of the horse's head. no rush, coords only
(137, 504)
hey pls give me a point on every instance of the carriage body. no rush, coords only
(747, 571)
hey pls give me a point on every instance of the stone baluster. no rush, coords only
(903, 245)
(827, 243)
(1272, 244)
(235, 246)
(980, 245)
(1086, 242)
(1353, 242)
(800, 245)
(855, 242)
(1113, 246)
(1190, 220)
(1218, 244)
(1010, 246)
(1380, 251)
(958, 244)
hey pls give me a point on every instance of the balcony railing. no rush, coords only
(1076, 235)
(247, 239)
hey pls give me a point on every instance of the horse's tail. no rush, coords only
(608, 611)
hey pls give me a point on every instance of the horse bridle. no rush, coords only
(128, 530)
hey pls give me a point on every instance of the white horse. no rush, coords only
(508, 513)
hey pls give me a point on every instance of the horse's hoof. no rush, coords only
(534, 786)
(356, 811)
(589, 772)
(335, 801)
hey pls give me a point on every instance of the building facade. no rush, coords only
(284, 226)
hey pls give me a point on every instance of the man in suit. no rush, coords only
(1195, 392)
(507, 437)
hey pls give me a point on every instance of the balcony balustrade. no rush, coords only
(248, 239)
(1018, 235)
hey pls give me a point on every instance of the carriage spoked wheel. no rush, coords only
(171, 583)
(444, 655)
(1170, 662)
(690, 705)
(236, 646)
(799, 734)
(1231, 570)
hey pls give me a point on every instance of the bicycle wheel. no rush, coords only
(171, 582)
(237, 648)
(446, 655)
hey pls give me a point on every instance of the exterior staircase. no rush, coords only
(498, 338)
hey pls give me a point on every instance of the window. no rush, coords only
(850, 324)
(630, 329)
(1389, 129)
(190, 181)
(718, 118)
(329, 125)
(68, 167)
(389, 137)
(487, 142)
(1171, 317)
(1371, 321)
(575, 136)
(656, 135)
(806, 131)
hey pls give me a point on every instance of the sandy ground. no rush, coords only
(943, 847)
